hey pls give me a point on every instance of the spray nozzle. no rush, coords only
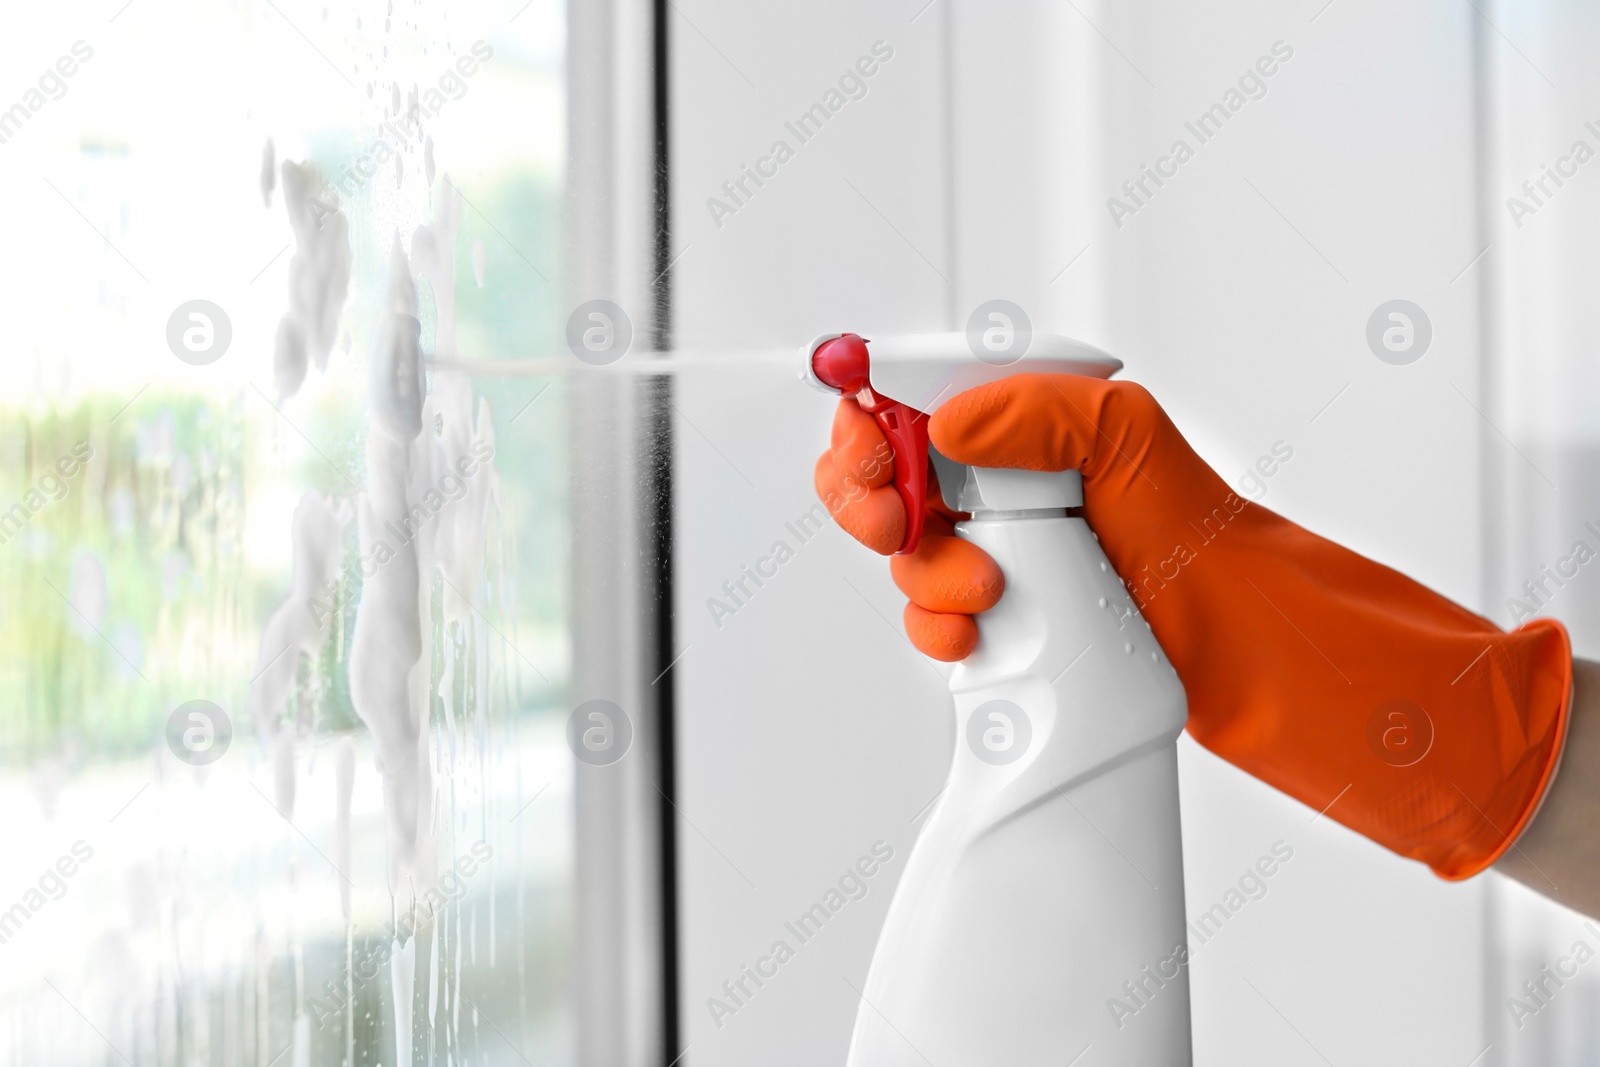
(905, 378)
(842, 363)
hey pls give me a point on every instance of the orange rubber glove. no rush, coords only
(1341, 682)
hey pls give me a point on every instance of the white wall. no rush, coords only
(1544, 395)
(980, 161)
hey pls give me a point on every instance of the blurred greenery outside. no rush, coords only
(161, 507)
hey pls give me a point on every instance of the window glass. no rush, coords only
(283, 641)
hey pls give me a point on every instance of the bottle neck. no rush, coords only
(1006, 514)
(1013, 493)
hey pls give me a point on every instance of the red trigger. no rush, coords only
(907, 431)
(843, 363)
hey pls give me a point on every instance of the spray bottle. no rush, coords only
(1041, 914)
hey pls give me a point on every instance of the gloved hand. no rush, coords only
(1305, 664)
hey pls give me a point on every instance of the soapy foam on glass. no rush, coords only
(414, 442)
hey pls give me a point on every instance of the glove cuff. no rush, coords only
(1414, 722)
(1512, 806)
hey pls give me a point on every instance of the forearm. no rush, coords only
(1559, 853)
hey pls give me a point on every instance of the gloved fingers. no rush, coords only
(947, 638)
(1048, 422)
(946, 579)
(948, 576)
(857, 484)
(873, 516)
(859, 447)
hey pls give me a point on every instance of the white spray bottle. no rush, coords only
(1040, 917)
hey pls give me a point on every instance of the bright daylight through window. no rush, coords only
(282, 630)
